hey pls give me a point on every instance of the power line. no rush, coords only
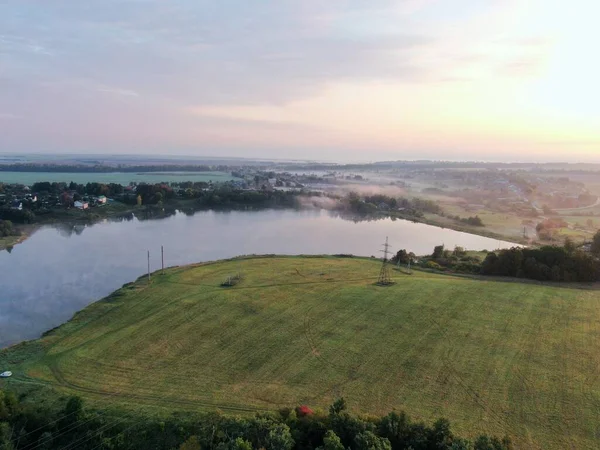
(384, 273)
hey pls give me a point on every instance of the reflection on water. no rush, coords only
(62, 268)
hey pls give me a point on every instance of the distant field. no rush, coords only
(28, 178)
(496, 357)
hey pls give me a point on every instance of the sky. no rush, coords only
(494, 80)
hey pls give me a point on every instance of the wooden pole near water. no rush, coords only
(148, 266)
(162, 258)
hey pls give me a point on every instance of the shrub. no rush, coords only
(433, 265)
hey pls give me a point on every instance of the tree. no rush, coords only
(370, 441)
(569, 245)
(279, 438)
(438, 252)
(440, 435)
(331, 441)
(5, 437)
(6, 228)
(396, 428)
(492, 443)
(241, 444)
(191, 444)
(459, 251)
(401, 257)
(595, 249)
(72, 413)
(473, 221)
(45, 441)
(338, 406)
(461, 444)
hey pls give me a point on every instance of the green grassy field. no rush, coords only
(495, 357)
(9, 241)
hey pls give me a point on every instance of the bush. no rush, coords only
(6, 228)
(433, 265)
(467, 267)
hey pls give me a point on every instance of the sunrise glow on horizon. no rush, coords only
(348, 80)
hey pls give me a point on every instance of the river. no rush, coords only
(60, 270)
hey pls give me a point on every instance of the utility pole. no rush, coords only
(384, 273)
(148, 266)
(162, 258)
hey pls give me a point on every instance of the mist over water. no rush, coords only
(60, 270)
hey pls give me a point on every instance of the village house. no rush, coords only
(81, 205)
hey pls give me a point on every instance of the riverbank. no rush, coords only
(155, 212)
(8, 242)
(72, 215)
(443, 222)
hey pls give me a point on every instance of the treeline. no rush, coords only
(27, 426)
(233, 198)
(370, 204)
(6, 228)
(54, 188)
(474, 221)
(101, 168)
(457, 260)
(148, 192)
(24, 216)
(548, 263)
(222, 196)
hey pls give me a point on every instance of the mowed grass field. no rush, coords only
(495, 357)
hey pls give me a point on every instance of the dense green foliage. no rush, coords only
(548, 263)
(595, 246)
(24, 426)
(108, 190)
(55, 197)
(474, 221)
(17, 216)
(6, 228)
(457, 260)
(226, 198)
(100, 168)
(371, 204)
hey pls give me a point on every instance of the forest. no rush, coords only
(101, 168)
(567, 263)
(25, 426)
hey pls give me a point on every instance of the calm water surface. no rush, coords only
(58, 271)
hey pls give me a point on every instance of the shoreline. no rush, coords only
(141, 282)
(26, 231)
(477, 231)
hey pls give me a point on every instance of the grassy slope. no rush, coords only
(497, 357)
(10, 241)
